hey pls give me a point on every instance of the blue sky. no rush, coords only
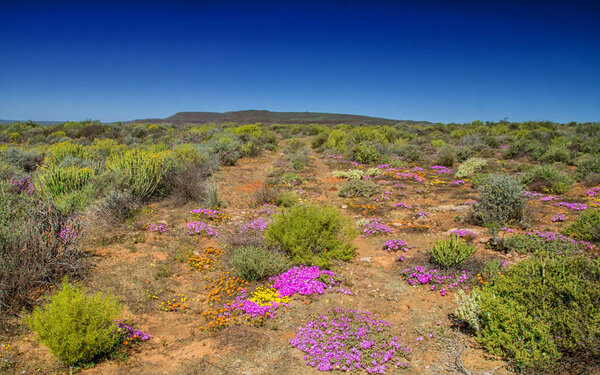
(439, 61)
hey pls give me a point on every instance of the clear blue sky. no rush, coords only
(422, 60)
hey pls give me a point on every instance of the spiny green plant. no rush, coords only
(58, 181)
(451, 252)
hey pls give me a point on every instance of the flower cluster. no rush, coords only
(374, 227)
(69, 233)
(211, 214)
(307, 281)
(400, 204)
(177, 303)
(365, 208)
(395, 245)
(458, 182)
(256, 225)
(161, 228)
(441, 169)
(267, 209)
(551, 236)
(20, 185)
(260, 305)
(130, 335)
(559, 217)
(531, 194)
(222, 292)
(206, 260)
(202, 229)
(348, 340)
(463, 233)
(421, 276)
(547, 198)
(593, 192)
(572, 206)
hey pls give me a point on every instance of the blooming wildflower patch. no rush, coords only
(463, 233)
(374, 227)
(396, 245)
(551, 236)
(423, 276)
(177, 303)
(205, 261)
(559, 217)
(405, 224)
(442, 170)
(202, 229)
(348, 340)
(130, 335)
(307, 281)
(365, 208)
(70, 232)
(400, 204)
(256, 225)
(160, 228)
(211, 214)
(20, 185)
(573, 206)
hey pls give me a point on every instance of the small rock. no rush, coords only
(366, 259)
(344, 206)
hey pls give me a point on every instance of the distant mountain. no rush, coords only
(268, 117)
(37, 122)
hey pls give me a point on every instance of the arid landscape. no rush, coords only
(284, 248)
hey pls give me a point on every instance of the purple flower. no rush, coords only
(202, 229)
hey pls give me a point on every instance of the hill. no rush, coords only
(268, 117)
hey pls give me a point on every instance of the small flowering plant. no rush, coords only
(463, 233)
(559, 217)
(131, 336)
(396, 245)
(211, 214)
(202, 229)
(375, 227)
(160, 228)
(573, 206)
(348, 340)
(432, 277)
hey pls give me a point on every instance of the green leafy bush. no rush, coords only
(312, 235)
(543, 310)
(366, 153)
(524, 244)
(58, 151)
(139, 171)
(358, 188)
(57, 181)
(450, 252)
(469, 309)
(547, 179)
(586, 227)
(75, 327)
(470, 167)
(556, 153)
(446, 156)
(253, 263)
(587, 166)
(502, 202)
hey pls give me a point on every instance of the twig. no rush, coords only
(212, 364)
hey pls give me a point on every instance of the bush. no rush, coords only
(75, 327)
(470, 167)
(469, 309)
(547, 179)
(502, 202)
(543, 310)
(312, 235)
(138, 171)
(446, 156)
(32, 253)
(556, 153)
(116, 207)
(358, 188)
(58, 151)
(366, 153)
(450, 252)
(291, 178)
(57, 181)
(524, 244)
(587, 166)
(286, 198)
(253, 263)
(586, 227)
(27, 160)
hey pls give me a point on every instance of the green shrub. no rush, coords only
(312, 234)
(586, 166)
(450, 252)
(446, 156)
(556, 153)
(502, 202)
(286, 198)
(543, 310)
(253, 263)
(356, 174)
(491, 269)
(358, 188)
(470, 167)
(586, 227)
(469, 309)
(58, 151)
(139, 171)
(75, 327)
(547, 179)
(291, 178)
(57, 181)
(337, 141)
(366, 153)
(523, 244)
